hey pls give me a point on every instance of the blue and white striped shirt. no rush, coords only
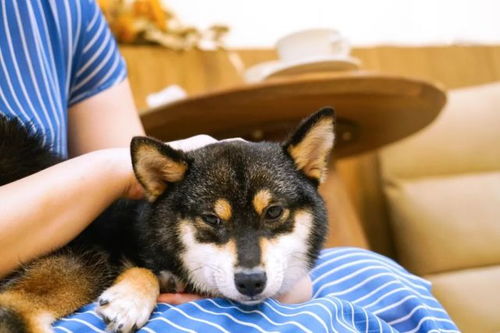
(54, 54)
(354, 291)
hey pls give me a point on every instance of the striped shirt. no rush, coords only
(354, 291)
(54, 54)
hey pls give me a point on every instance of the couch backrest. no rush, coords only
(443, 185)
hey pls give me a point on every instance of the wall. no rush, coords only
(363, 22)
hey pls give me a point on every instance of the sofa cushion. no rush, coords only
(443, 186)
(446, 223)
(464, 138)
(469, 297)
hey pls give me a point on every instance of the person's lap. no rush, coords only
(354, 290)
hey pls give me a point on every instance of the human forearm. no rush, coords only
(47, 209)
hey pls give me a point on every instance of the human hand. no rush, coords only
(119, 163)
(192, 143)
(301, 292)
(197, 141)
(178, 298)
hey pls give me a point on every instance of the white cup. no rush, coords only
(312, 43)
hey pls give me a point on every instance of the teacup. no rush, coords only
(312, 43)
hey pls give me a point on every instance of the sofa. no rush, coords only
(442, 190)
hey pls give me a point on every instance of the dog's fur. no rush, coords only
(234, 219)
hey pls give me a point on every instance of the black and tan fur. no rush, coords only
(232, 212)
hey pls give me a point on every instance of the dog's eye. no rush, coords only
(211, 219)
(273, 212)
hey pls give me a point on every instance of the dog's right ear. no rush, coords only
(156, 164)
(311, 144)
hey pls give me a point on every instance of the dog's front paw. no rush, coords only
(123, 310)
(127, 305)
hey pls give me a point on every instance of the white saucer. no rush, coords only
(276, 68)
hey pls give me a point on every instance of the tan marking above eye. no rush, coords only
(261, 200)
(223, 209)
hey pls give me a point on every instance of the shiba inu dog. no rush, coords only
(234, 219)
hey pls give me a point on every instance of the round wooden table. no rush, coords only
(373, 109)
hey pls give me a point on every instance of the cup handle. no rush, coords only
(342, 45)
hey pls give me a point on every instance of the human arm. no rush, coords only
(46, 210)
(106, 120)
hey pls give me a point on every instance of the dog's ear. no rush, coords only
(156, 164)
(311, 144)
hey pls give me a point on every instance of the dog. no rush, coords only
(234, 219)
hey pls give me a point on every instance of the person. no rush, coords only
(69, 82)
(61, 73)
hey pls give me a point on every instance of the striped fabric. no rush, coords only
(53, 54)
(354, 291)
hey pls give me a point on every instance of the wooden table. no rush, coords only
(372, 110)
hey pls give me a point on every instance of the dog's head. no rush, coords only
(240, 219)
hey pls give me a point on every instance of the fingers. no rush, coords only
(192, 143)
(178, 298)
(233, 139)
(299, 293)
(197, 141)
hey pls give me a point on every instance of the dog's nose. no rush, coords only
(250, 284)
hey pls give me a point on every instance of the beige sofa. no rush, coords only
(442, 187)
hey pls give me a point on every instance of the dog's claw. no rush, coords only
(103, 302)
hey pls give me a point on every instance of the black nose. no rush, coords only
(250, 284)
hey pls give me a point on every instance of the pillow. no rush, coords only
(463, 139)
(469, 297)
(446, 223)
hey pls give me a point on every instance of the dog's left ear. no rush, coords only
(156, 164)
(311, 144)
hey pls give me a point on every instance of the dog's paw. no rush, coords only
(127, 305)
(123, 310)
